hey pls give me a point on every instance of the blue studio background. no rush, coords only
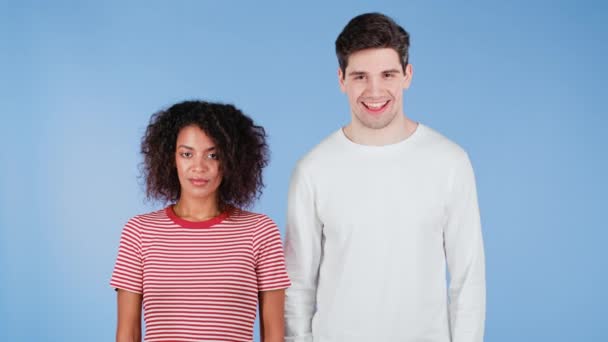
(516, 83)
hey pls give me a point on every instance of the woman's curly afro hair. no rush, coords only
(240, 145)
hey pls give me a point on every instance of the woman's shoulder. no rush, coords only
(152, 215)
(251, 218)
(152, 218)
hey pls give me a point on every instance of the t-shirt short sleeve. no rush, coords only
(269, 257)
(128, 269)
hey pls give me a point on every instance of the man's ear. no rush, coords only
(409, 73)
(341, 80)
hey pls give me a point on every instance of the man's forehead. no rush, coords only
(373, 60)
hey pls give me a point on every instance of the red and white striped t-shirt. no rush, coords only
(200, 280)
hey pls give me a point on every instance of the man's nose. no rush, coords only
(373, 86)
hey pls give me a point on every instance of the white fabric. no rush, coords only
(370, 231)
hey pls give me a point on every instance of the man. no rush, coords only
(378, 210)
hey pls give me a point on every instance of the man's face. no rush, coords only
(374, 81)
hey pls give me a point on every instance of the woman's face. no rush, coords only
(198, 167)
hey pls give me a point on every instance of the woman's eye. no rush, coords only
(212, 156)
(186, 154)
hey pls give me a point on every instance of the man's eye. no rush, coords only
(359, 77)
(389, 75)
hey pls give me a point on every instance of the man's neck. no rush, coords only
(398, 130)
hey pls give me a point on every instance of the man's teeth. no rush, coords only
(375, 105)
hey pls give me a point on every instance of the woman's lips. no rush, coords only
(198, 181)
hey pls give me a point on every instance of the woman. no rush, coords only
(200, 266)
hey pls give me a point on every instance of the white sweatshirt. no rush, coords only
(370, 231)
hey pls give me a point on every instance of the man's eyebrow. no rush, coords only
(361, 73)
(357, 73)
(391, 71)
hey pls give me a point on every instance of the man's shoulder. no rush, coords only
(439, 146)
(323, 153)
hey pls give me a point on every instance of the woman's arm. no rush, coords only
(272, 321)
(129, 317)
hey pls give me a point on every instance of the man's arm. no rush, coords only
(129, 316)
(465, 257)
(303, 256)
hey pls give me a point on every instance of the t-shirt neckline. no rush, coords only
(196, 224)
(410, 140)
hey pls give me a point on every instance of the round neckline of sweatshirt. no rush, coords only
(409, 141)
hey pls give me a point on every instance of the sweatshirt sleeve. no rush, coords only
(465, 256)
(303, 256)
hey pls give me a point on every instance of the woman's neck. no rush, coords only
(196, 209)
